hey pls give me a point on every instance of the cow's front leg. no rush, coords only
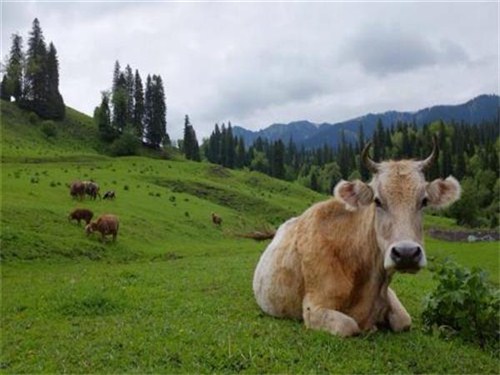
(333, 321)
(398, 317)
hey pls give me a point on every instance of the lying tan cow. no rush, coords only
(332, 265)
(106, 224)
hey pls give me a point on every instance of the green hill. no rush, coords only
(160, 203)
(173, 294)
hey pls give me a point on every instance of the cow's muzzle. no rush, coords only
(407, 256)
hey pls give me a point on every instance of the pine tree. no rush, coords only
(129, 87)
(230, 147)
(155, 112)
(102, 117)
(223, 146)
(214, 146)
(36, 89)
(13, 77)
(116, 77)
(5, 93)
(119, 99)
(55, 104)
(278, 160)
(138, 115)
(148, 108)
(190, 143)
(240, 153)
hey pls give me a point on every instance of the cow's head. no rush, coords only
(90, 228)
(399, 193)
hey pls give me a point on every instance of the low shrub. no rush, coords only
(126, 145)
(49, 129)
(464, 304)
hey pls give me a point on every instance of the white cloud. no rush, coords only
(259, 63)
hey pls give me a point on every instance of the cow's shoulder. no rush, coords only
(324, 214)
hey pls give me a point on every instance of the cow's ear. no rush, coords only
(441, 193)
(354, 194)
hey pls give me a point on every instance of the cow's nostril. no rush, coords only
(395, 254)
(417, 252)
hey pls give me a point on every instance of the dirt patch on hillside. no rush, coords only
(465, 236)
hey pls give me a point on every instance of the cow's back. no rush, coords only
(278, 284)
(107, 224)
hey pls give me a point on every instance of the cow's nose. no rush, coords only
(406, 256)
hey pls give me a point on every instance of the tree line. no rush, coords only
(131, 113)
(469, 152)
(31, 78)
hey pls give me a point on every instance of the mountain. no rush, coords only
(310, 135)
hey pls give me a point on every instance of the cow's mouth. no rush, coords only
(408, 268)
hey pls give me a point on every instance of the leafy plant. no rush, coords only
(464, 304)
(49, 129)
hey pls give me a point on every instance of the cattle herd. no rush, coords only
(106, 224)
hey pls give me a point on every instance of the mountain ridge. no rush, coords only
(312, 135)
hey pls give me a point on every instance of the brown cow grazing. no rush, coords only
(332, 265)
(81, 214)
(216, 219)
(110, 194)
(106, 224)
(92, 189)
(77, 189)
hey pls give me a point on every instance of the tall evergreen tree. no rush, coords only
(36, 77)
(14, 72)
(230, 146)
(278, 160)
(5, 93)
(148, 108)
(129, 87)
(55, 103)
(119, 99)
(116, 76)
(138, 115)
(190, 143)
(240, 153)
(156, 121)
(102, 117)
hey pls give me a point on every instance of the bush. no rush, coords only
(33, 118)
(464, 304)
(49, 129)
(126, 145)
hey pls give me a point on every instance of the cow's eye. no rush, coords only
(377, 202)
(425, 201)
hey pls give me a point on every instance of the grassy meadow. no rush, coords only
(173, 294)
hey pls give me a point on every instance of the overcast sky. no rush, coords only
(257, 63)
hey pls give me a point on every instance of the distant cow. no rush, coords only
(77, 189)
(81, 214)
(109, 195)
(92, 189)
(332, 265)
(106, 224)
(216, 219)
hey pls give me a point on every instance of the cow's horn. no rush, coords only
(369, 163)
(424, 164)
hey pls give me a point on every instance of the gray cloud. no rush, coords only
(259, 63)
(383, 50)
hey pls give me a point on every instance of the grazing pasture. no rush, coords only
(173, 294)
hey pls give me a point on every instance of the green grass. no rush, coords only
(173, 294)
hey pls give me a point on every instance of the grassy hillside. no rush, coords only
(173, 294)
